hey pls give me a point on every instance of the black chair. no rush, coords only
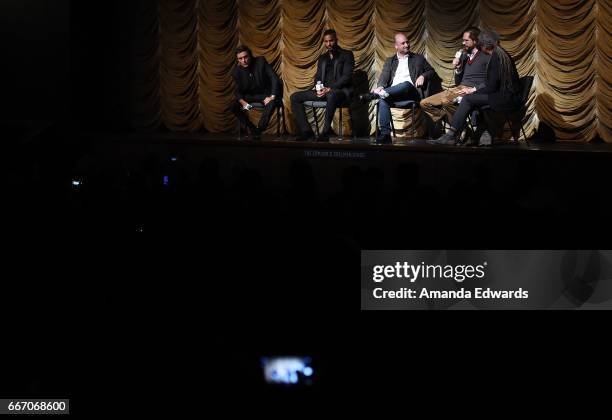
(431, 87)
(323, 105)
(515, 118)
(280, 110)
(408, 104)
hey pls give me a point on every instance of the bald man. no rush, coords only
(401, 75)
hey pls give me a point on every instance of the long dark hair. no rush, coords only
(489, 40)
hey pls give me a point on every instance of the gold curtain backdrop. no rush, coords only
(179, 65)
(184, 53)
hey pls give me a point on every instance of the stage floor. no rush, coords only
(400, 144)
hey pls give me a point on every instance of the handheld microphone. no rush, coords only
(458, 55)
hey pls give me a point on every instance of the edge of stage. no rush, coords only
(438, 166)
(400, 144)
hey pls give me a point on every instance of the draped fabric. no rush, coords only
(145, 94)
(302, 27)
(217, 36)
(516, 24)
(446, 21)
(184, 54)
(408, 17)
(179, 65)
(566, 65)
(259, 27)
(603, 49)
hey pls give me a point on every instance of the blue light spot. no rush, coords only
(307, 371)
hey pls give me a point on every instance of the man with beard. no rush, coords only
(255, 81)
(335, 71)
(501, 91)
(470, 69)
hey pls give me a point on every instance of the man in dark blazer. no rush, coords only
(335, 71)
(401, 77)
(255, 81)
(501, 90)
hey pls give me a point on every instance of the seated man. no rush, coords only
(255, 81)
(401, 75)
(501, 91)
(470, 70)
(335, 70)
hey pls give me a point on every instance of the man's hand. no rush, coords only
(419, 81)
(377, 90)
(324, 92)
(267, 100)
(456, 63)
(467, 91)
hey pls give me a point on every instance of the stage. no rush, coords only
(400, 144)
(402, 196)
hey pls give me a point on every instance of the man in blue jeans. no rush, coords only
(401, 75)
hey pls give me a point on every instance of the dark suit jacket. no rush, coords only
(416, 64)
(264, 76)
(501, 101)
(344, 62)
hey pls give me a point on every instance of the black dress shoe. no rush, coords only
(323, 138)
(468, 142)
(384, 139)
(448, 139)
(367, 97)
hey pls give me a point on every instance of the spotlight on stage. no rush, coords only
(287, 370)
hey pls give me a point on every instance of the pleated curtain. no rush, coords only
(183, 54)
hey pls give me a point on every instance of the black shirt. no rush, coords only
(329, 73)
(247, 80)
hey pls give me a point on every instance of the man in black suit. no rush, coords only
(401, 75)
(335, 71)
(501, 90)
(255, 81)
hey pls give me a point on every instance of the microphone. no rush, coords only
(458, 55)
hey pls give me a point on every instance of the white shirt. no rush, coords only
(402, 74)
